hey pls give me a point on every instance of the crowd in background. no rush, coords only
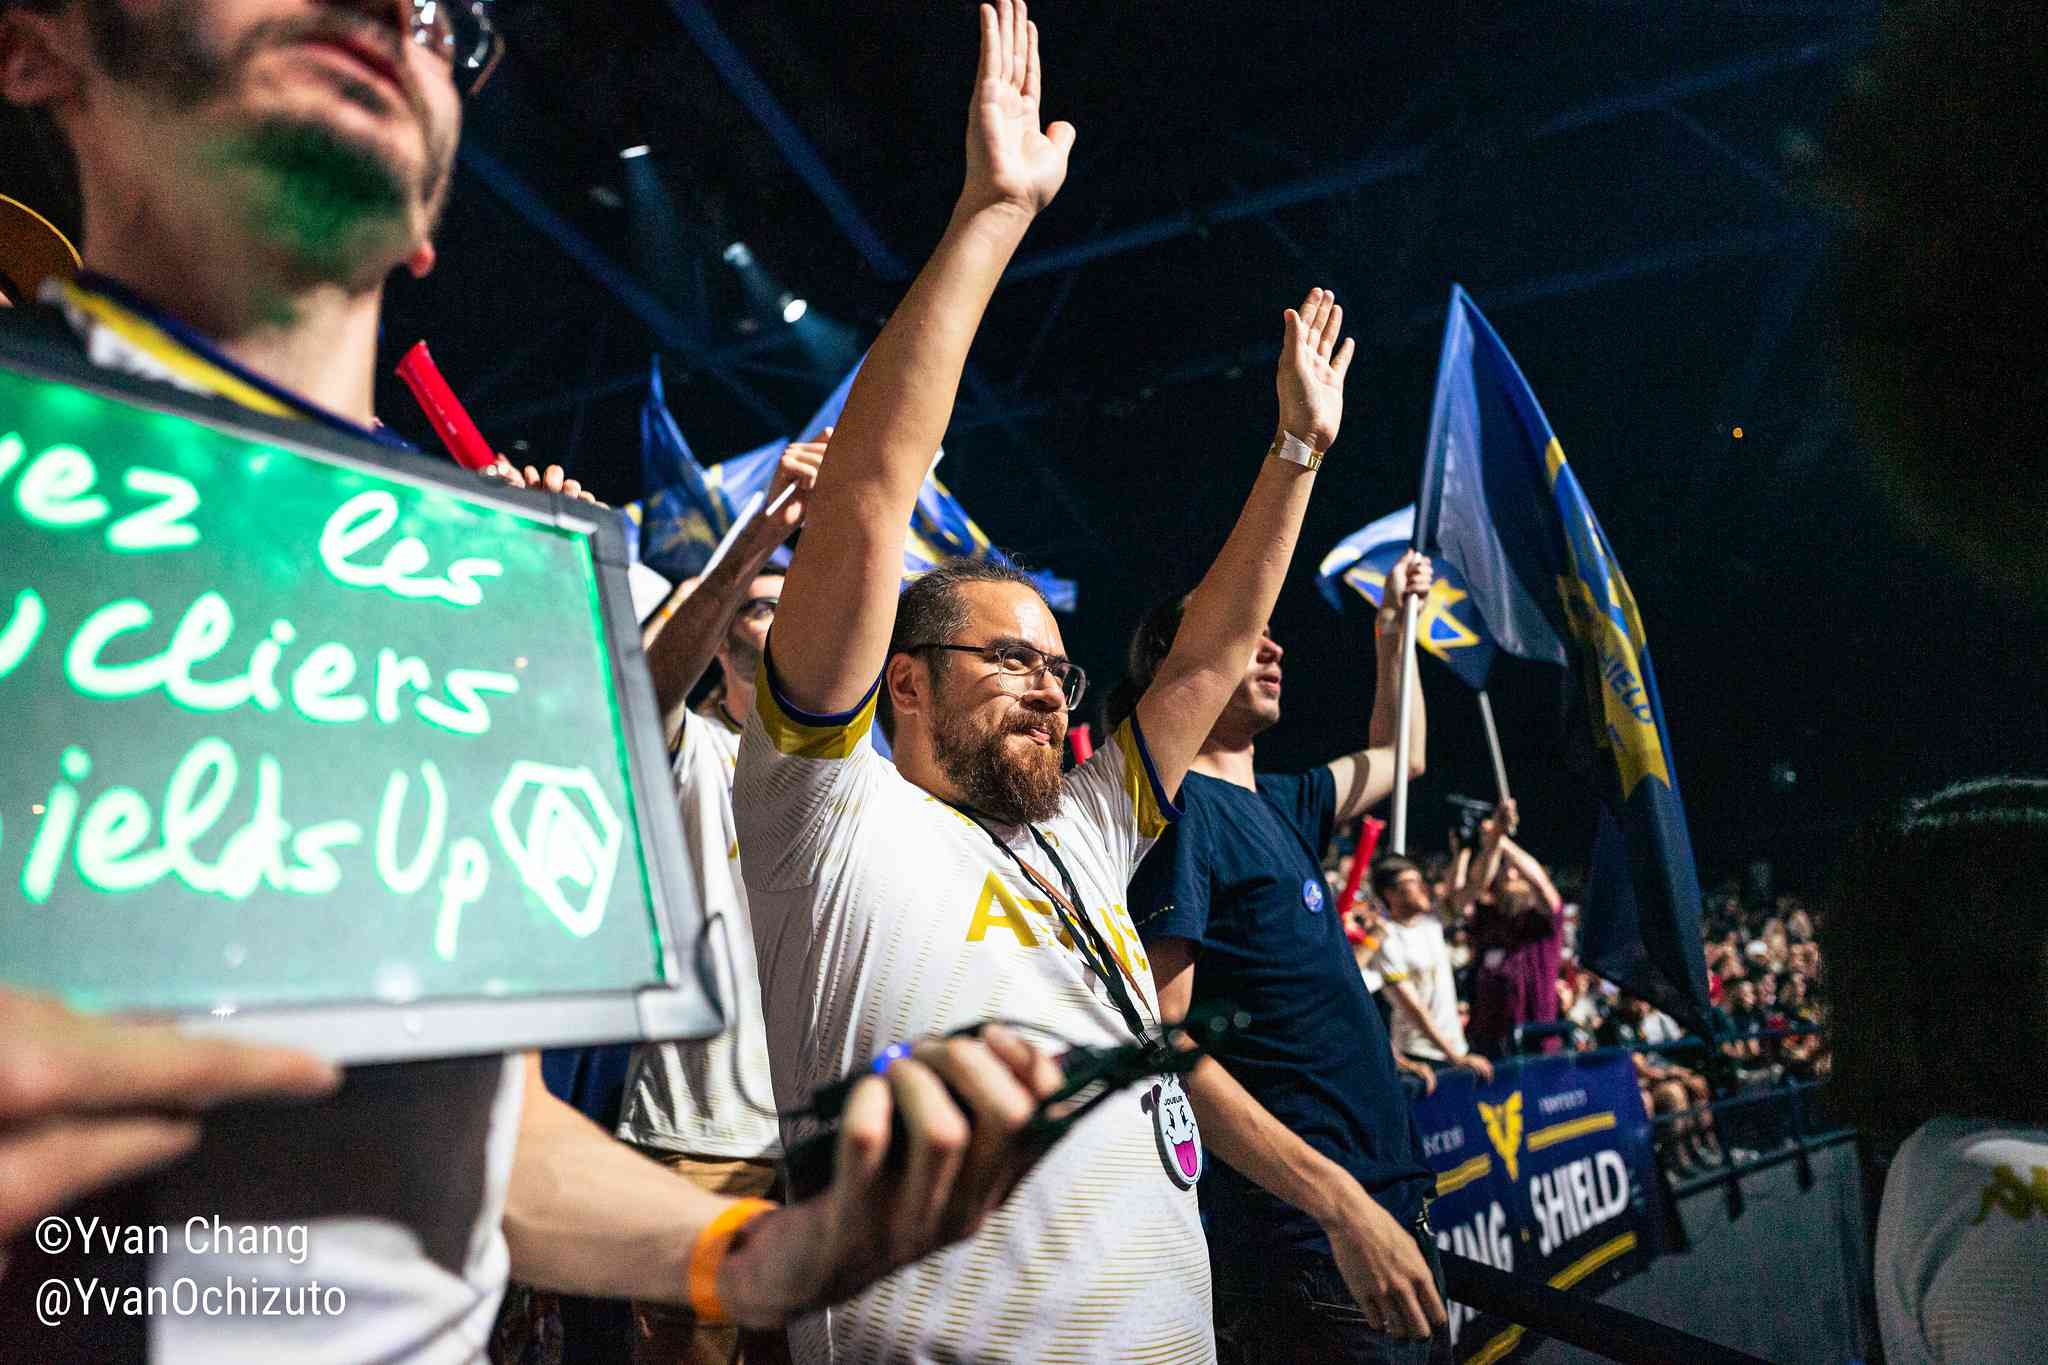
(1766, 979)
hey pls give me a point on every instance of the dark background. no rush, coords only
(1622, 187)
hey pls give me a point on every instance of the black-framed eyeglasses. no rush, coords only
(462, 32)
(1021, 661)
(757, 609)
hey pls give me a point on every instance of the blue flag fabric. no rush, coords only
(1500, 506)
(1448, 626)
(681, 523)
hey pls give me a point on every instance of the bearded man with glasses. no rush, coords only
(251, 173)
(971, 879)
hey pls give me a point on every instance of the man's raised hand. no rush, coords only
(1312, 368)
(799, 466)
(1011, 161)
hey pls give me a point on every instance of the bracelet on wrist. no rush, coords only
(1291, 448)
(709, 1254)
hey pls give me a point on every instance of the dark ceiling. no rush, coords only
(1619, 185)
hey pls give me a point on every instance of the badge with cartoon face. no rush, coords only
(1173, 1124)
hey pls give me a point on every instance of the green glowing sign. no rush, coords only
(288, 729)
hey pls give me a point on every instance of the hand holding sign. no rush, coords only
(87, 1101)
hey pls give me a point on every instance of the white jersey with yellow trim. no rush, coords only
(712, 1097)
(1962, 1240)
(882, 914)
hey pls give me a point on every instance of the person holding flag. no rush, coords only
(1321, 1188)
(1503, 512)
(694, 511)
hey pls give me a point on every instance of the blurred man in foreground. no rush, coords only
(252, 171)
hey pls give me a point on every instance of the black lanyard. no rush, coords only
(1088, 941)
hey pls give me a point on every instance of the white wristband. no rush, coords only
(1291, 448)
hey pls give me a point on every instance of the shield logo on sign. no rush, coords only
(567, 849)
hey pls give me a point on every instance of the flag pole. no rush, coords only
(1398, 834)
(1500, 767)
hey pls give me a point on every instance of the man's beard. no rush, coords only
(993, 781)
(320, 195)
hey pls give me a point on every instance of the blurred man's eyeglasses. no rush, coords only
(1022, 662)
(756, 609)
(462, 32)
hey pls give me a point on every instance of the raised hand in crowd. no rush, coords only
(680, 642)
(553, 479)
(87, 1101)
(1411, 576)
(1310, 379)
(798, 466)
(839, 606)
(1366, 778)
(1012, 162)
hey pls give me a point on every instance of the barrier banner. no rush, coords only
(1548, 1171)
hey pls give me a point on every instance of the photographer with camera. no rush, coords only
(1517, 933)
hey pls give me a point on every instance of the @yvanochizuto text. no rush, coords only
(60, 1300)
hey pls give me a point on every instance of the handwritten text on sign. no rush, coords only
(256, 678)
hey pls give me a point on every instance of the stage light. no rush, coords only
(634, 152)
(737, 255)
(793, 308)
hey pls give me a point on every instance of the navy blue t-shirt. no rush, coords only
(1240, 877)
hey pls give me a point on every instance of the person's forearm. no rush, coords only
(586, 1214)
(1532, 870)
(1240, 1130)
(686, 632)
(1386, 692)
(839, 603)
(1367, 777)
(898, 409)
(1224, 618)
(1466, 885)
(1489, 866)
(1406, 999)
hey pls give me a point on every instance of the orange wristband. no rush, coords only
(709, 1254)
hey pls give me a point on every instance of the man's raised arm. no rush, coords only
(831, 632)
(1227, 613)
(683, 635)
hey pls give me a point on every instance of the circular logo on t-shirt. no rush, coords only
(1312, 895)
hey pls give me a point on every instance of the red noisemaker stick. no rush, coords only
(1082, 742)
(438, 401)
(1369, 831)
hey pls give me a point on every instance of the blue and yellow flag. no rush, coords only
(1448, 626)
(682, 522)
(691, 508)
(1501, 507)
